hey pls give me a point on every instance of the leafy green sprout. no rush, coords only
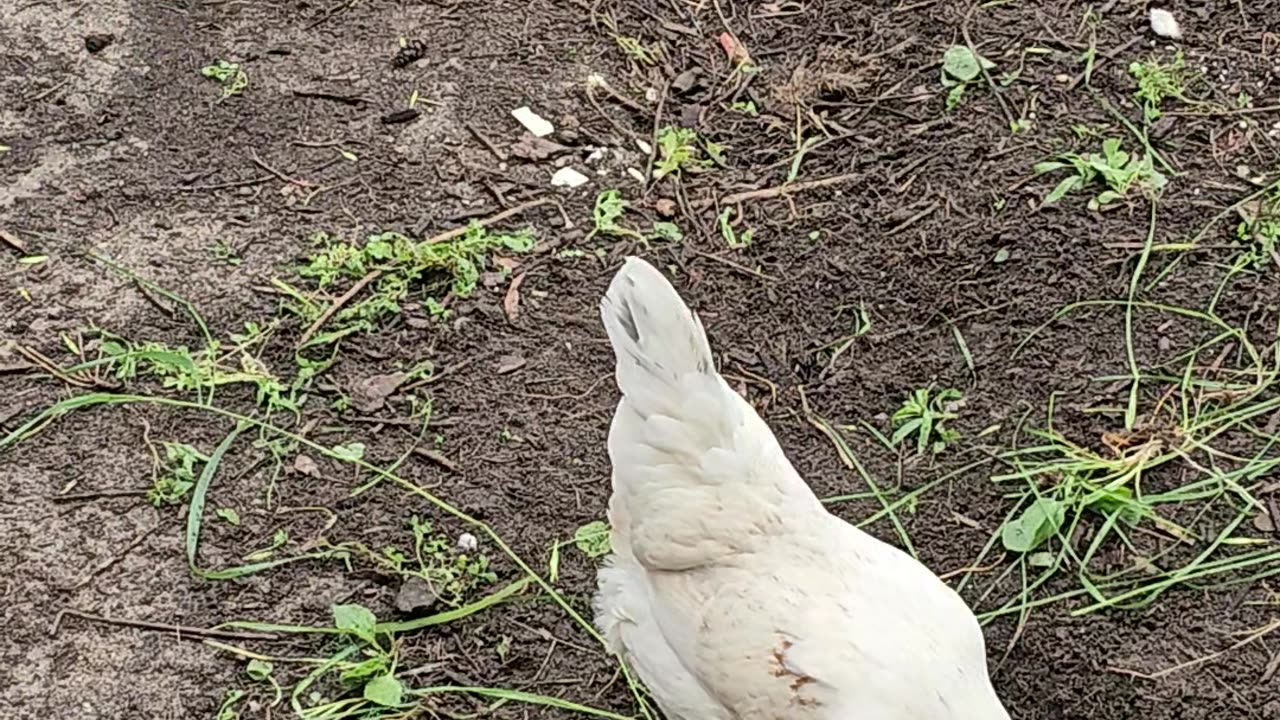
(229, 75)
(609, 209)
(1259, 231)
(1115, 169)
(733, 238)
(171, 486)
(682, 150)
(1158, 82)
(960, 68)
(925, 414)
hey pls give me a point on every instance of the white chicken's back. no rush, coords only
(731, 592)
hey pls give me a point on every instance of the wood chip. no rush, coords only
(13, 240)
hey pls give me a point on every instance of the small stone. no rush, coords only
(1062, 79)
(415, 595)
(468, 542)
(1164, 24)
(568, 177)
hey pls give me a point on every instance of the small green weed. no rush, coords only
(225, 254)
(924, 415)
(452, 575)
(229, 75)
(733, 238)
(682, 150)
(452, 266)
(609, 209)
(746, 107)
(177, 476)
(1259, 230)
(203, 370)
(1158, 82)
(960, 68)
(1116, 169)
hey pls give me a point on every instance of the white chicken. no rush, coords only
(731, 592)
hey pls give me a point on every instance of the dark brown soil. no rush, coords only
(124, 152)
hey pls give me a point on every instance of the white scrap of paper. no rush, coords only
(533, 122)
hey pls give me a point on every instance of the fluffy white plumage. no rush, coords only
(731, 592)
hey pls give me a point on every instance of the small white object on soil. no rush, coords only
(1164, 24)
(568, 177)
(533, 122)
(645, 147)
(639, 176)
(468, 542)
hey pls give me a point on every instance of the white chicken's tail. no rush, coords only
(657, 339)
(697, 475)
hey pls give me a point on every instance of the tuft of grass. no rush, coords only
(230, 76)
(924, 415)
(1116, 170)
(683, 150)
(405, 266)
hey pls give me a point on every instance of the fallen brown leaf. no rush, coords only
(511, 303)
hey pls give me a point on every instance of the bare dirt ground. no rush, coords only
(186, 244)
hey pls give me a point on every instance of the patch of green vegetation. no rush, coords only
(177, 474)
(682, 150)
(225, 254)
(746, 107)
(402, 265)
(961, 67)
(1158, 82)
(733, 238)
(1117, 170)
(453, 576)
(924, 415)
(199, 372)
(1259, 230)
(609, 210)
(228, 75)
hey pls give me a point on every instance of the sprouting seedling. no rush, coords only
(1115, 168)
(732, 238)
(1259, 230)
(178, 476)
(924, 415)
(682, 150)
(608, 211)
(961, 67)
(227, 74)
(1158, 82)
